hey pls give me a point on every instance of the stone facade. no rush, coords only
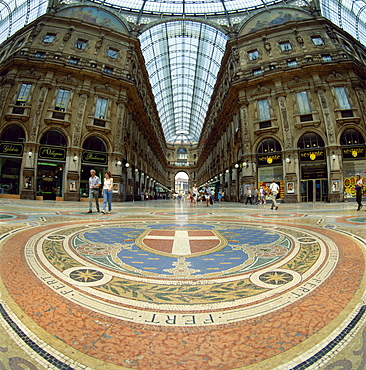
(289, 104)
(78, 75)
(289, 97)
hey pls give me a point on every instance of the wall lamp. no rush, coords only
(334, 157)
(136, 170)
(127, 165)
(245, 164)
(288, 160)
(30, 154)
(75, 158)
(119, 163)
(227, 171)
(236, 165)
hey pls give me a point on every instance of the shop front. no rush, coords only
(314, 175)
(11, 154)
(270, 167)
(97, 161)
(50, 170)
(354, 162)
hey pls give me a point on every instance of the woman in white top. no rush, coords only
(107, 192)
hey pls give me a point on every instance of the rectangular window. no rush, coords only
(303, 102)
(257, 72)
(81, 44)
(23, 94)
(342, 98)
(101, 108)
(108, 70)
(253, 55)
(62, 99)
(20, 43)
(292, 63)
(347, 47)
(236, 123)
(326, 58)
(74, 61)
(49, 38)
(317, 40)
(40, 54)
(285, 46)
(112, 53)
(264, 113)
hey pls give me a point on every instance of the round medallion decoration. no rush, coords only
(165, 268)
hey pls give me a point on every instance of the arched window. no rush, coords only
(182, 153)
(269, 146)
(351, 137)
(310, 140)
(95, 144)
(54, 138)
(13, 133)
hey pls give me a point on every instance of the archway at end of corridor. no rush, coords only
(181, 182)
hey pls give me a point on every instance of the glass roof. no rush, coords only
(15, 14)
(183, 56)
(182, 59)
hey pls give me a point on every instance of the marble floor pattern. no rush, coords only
(165, 285)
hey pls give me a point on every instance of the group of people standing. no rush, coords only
(255, 197)
(94, 186)
(208, 195)
(258, 196)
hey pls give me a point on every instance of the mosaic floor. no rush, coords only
(164, 285)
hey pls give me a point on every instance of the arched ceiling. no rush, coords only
(182, 59)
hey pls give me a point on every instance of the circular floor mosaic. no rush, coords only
(154, 272)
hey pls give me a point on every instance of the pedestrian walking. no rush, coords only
(94, 185)
(194, 195)
(207, 192)
(249, 196)
(274, 189)
(255, 196)
(359, 191)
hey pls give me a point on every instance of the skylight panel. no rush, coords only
(22, 13)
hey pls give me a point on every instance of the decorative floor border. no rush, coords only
(52, 360)
(13, 328)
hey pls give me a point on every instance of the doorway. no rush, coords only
(181, 183)
(314, 190)
(49, 180)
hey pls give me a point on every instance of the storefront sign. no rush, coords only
(15, 149)
(312, 155)
(94, 157)
(357, 152)
(269, 159)
(54, 153)
(312, 172)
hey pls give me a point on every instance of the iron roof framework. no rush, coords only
(182, 59)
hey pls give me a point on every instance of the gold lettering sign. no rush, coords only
(93, 157)
(11, 149)
(312, 155)
(354, 152)
(269, 159)
(47, 152)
